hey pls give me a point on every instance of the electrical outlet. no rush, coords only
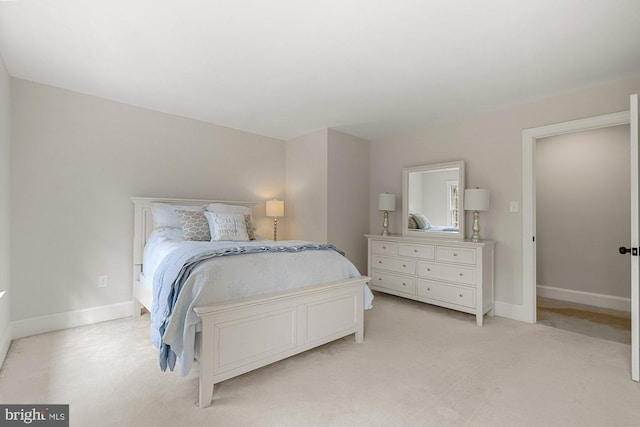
(103, 281)
(513, 207)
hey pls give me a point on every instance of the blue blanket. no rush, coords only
(174, 270)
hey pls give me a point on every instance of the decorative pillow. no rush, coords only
(227, 209)
(227, 226)
(194, 225)
(164, 215)
(421, 221)
(250, 231)
(412, 223)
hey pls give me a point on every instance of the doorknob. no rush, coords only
(623, 251)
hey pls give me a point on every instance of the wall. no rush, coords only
(327, 175)
(306, 187)
(491, 146)
(583, 211)
(348, 196)
(5, 264)
(75, 162)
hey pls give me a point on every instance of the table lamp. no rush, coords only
(275, 208)
(476, 199)
(386, 203)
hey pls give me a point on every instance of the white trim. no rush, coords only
(529, 137)
(70, 319)
(528, 227)
(588, 298)
(510, 311)
(5, 343)
(635, 263)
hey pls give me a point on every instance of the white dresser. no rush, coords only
(449, 273)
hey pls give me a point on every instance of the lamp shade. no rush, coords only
(275, 208)
(476, 199)
(386, 202)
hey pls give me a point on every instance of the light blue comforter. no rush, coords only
(265, 266)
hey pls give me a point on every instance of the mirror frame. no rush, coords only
(459, 235)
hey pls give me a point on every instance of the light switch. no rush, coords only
(513, 207)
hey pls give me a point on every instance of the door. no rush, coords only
(635, 242)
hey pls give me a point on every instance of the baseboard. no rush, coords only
(511, 311)
(588, 298)
(70, 319)
(5, 343)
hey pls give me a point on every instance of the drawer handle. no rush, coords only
(384, 247)
(460, 274)
(379, 278)
(455, 254)
(404, 284)
(379, 262)
(428, 289)
(415, 250)
(460, 295)
(404, 266)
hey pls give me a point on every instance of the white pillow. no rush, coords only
(227, 209)
(227, 226)
(164, 215)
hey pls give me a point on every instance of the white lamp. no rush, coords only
(386, 203)
(476, 199)
(275, 208)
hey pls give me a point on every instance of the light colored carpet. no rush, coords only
(612, 325)
(418, 366)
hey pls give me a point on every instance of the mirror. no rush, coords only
(432, 200)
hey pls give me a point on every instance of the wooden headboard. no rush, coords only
(143, 221)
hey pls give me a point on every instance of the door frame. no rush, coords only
(529, 137)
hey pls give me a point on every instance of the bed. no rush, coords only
(234, 336)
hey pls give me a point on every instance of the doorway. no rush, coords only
(527, 311)
(582, 217)
(529, 137)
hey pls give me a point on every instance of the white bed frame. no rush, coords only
(242, 335)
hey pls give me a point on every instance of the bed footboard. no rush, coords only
(244, 335)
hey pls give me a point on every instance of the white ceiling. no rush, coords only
(284, 68)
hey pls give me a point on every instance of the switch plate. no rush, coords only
(513, 207)
(103, 281)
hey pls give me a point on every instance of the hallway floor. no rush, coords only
(588, 320)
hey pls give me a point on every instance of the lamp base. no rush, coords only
(385, 225)
(275, 228)
(475, 237)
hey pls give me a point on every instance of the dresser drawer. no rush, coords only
(399, 265)
(393, 282)
(447, 293)
(384, 248)
(451, 254)
(417, 251)
(451, 273)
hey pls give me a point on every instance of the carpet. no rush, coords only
(419, 365)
